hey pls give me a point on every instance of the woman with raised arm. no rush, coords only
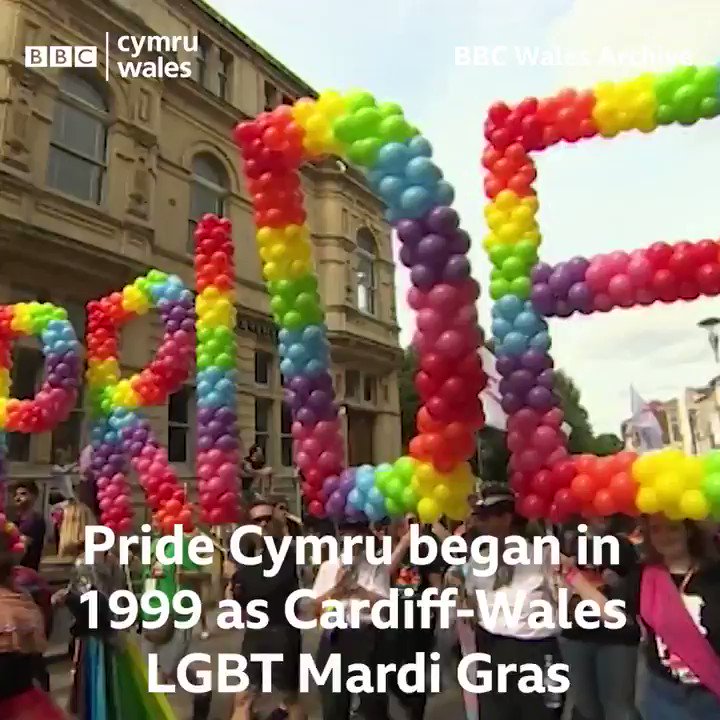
(675, 593)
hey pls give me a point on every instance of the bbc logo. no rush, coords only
(58, 56)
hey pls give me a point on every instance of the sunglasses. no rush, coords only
(261, 519)
(492, 511)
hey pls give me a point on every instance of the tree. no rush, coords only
(608, 444)
(409, 399)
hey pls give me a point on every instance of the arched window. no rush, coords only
(78, 147)
(208, 191)
(366, 256)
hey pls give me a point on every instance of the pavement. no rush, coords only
(443, 706)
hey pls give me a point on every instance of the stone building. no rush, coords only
(102, 178)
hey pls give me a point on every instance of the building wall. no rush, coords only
(59, 248)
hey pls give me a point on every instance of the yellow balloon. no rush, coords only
(442, 493)
(694, 505)
(510, 232)
(428, 510)
(457, 509)
(506, 200)
(303, 109)
(644, 469)
(693, 471)
(647, 501)
(674, 513)
(669, 488)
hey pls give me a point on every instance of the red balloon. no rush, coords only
(586, 464)
(659, 254)
(584, 487)
(708, 278)
(604, 503)
(564, 473)
(623, 489)
(532, 507)
(546, 439)
(543, 484)
(519, 483)
(529, 460)
(566, 501)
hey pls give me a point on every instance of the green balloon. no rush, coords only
(499, 288)
(364, 152)
(394, 487)
(396, 129)
(307, 283)
(157, 276)
(357, 99)
(709, 107)
(204, 360)
(393, 507)
(499, 254)
(409, 499)
(496, 274)
(225, 361)
(711, 488)
(712, 462)
(513, 268)
(665, 114)
(405, 468)
(205, 334)
(306, 302)
(382, 479)
(286, 288)
(368, 120)
(292, 320)
(665, 86)
(526, 250)
(278, 304)
(707, 80)
(386, 109)
(521, 287)
(345, 129)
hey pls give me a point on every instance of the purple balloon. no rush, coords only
(457, 268)
(408, 256)
(541, 273)
(205, 442)
(577, 266)
(409, 231)
(540, 398)
(306, 416)
(432, 248)
(580, 296)
(543, 299)
(225, 415)
(324, 382)
(422, 277)
(511, 403)
(506, 364)
(301, 385)
(521, 381)
(226, 443)
(560, 281)
(535, 360)
(459, 243)
(188, 325)
(546, 379)
(442, 219)
(563, 309)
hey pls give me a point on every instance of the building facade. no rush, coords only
(102, 179)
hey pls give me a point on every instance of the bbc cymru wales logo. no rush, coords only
(61, 56)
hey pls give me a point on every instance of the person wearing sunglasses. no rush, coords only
(251, 583)
(512, 640)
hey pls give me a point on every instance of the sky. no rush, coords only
(595, 197)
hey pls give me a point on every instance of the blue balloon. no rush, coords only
(356, 499)
(419, 146)
(313, 334)
(391, 188)
(514, 343)
(415, 201)
(393, 215)
(374, 512)
(374, 177)
(527, 323)
(444, 193)
(375, 497)
(297, 353)
(315, 368)
(541, 341)
(393, 158)
(422, 170)
(509, 306)
(500, 328)
(287, 368)
(365, 482)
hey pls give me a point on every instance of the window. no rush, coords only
(287, 100)
(365, 271)
(224, 75)
(286, 440)
(78, 146)
(263, 367)
(67, 437)
(369, 389)
(202, 59)
(207, 193)
(352, 384)
(272, 96)
(179, 407)
(26, 371)
(263, 423)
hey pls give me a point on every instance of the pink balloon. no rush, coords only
(553, 418)
(529, 460)
(451, 344)
(329, 462)
(640, 271)
(227, 472)
(430, 321)
(326, 429)
(645, 296)
(443, 298)
(304, 461)
(598, 274)
(546, 439)
(416, 298)
(620, 289)
(603, 303)
(524, 420)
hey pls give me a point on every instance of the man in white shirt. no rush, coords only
(510, 638)
(352, 588)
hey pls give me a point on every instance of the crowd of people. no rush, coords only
(667, 574)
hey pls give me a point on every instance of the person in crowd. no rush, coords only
(505, 640)
(291, 524)
(57, 502)
(676, 595)
(30, 522)
(403, 642)
(256, 476)
(169, 643)
(251, 583)
(603, 662)
(342, 585)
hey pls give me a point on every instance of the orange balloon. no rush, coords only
(584, 487)
(623, 489)
(586, 464)
(604, 503)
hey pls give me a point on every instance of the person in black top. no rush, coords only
(603, 662)
(30, 523)
(406, 642)
(679, 548)
(251, 583)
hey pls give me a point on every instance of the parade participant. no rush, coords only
(603, 662)
(169, 643)
(676, 595)
(255, 475)
(30, 522)
(343, 585)
(22, 644)
(251, 583)
(403, 642)
(505, 640)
